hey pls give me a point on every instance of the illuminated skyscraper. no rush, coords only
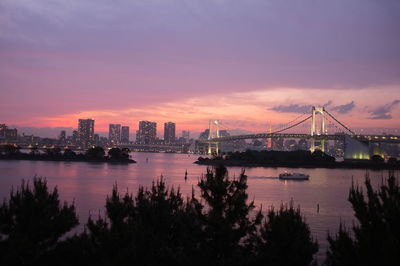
(147, 132)
(186, 135)
(114, 133)
(125, 134)
(169, 132)
(85, 132)
(62, 137)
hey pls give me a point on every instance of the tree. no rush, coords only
(376, 158)
(285, 239)
(68, 153)
(31, 223)
(53, 152)
(156, 227)
(118, 154)
(95, 153)
(227, 219)
(376, 235)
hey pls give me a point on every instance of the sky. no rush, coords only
(248, 63)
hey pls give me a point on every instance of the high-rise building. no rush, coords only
(147, 132)
(137, 140)
(125, 134)
(114, 133)
(186, 135)
(62, 137)
(8, 133)
(169, 132)
(75, 137)
(85, 132)
(96, 139)
(3, 129)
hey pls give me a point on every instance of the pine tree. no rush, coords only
(32, 221)
(376, 234)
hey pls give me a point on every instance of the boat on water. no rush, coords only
(293, 176)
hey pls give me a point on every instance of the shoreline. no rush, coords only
(328, 165)
(105, 160)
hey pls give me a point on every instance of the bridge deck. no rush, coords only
(370, 138)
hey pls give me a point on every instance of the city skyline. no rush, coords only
(247, 64)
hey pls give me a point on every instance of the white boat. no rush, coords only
(293, 176)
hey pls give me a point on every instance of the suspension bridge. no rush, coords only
(321, 119)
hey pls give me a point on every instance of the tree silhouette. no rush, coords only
(95, 153)
(285, 239)
(227, 219)
(118, 154)
(69, 154)
(31, 223)
(376, 233)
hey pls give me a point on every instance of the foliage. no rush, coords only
(376, 234)
(31, 223)
(117, 153)
(53, 152)
(95, 153)
(377, 158)
(227, 220)
(68, 153)
(286, 239)
(154, 228)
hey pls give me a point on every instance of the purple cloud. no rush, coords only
(383, 112)
(345, 108)
(296, 108)
(292, 108)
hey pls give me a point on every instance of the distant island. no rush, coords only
(295, 159)
(94, 154)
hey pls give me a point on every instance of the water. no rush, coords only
(88, 184)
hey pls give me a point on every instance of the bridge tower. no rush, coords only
(213, 132)
(315, 130)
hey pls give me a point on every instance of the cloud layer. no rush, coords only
(61, 59)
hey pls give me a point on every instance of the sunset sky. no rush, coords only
(248, 63)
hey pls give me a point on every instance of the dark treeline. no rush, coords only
(299, 158)
(94, 154)
(158, 226)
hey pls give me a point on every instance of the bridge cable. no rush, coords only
(298, 123)
(290, 122)
(352, 132)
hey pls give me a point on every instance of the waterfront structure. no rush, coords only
(8, 133)
(3, 129)
(169, 132)
(85, 132)
(125, 134)
(147, 132)
(114, 134)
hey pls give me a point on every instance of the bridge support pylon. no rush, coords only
(315, 130)
(213, 132)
